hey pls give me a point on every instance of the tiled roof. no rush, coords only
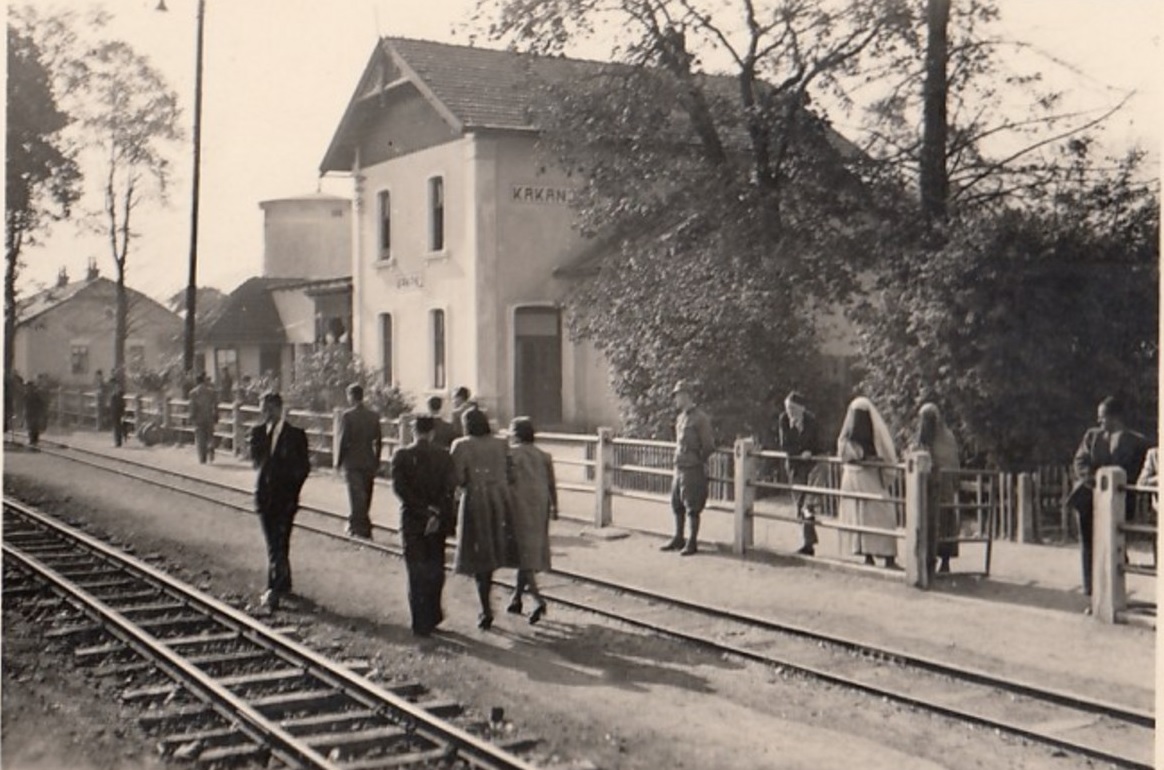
(44, 301)
(484, 87)
(248, 315)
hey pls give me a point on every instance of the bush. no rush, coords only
(321, 381)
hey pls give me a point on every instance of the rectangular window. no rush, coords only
(438, 350)
(385, 207)
(135, 357)
(436, 216)
(79, 359)
(386, 348)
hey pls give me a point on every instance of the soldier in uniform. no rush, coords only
(360, 444)
(694, 445)
(279, 452)
(204, 416)
(425, 481)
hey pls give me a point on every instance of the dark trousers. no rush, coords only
(800, 474)
(204, 441)
(688, 497)
(424, 558)
(277, 522)
(484, 588)
(1084, 514)
(360, 484)
(118, 430)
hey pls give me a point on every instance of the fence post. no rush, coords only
(1108, 546)
(1028, 523)
(603, 473)
(236, 428)
(745, 495)
(337, 419)
(918, 467)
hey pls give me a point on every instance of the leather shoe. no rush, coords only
(674, 544)
(538, 613)
(484, 622)
(688, 549)
(514, 607)
(806, 550)
(269, 600)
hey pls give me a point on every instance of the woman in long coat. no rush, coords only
(535, 502)
(482, 465)
(864, 445)
(935, 437)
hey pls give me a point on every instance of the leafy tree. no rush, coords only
(719, 204)
(42, 177)
(322, 377)
(1022, 320)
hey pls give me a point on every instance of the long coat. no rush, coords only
(534, 493)
(483, 470)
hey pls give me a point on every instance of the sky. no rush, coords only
(277, 75)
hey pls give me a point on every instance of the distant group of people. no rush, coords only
(455, 479)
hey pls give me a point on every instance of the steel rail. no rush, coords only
(1061, 698)
(478, 752)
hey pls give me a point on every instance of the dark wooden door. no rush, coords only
(538, 365)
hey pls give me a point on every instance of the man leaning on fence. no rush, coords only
(203, 416)
(1111, 443)
(798, 436)
(694, 445)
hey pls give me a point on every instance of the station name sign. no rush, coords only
(543, 195)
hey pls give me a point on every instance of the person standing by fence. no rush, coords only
(424, 479)
(203, 416)
(117, 409)
(798, 436)
(1111, 443)
(535, 502)
(360, 444)
(694, 445)
(35, 409)
(864, 445)
(483, 470)
(935, 437)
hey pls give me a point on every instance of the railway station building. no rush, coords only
(463, 248)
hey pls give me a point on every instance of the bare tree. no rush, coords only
(129, 115)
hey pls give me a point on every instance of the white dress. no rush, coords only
(858, 477)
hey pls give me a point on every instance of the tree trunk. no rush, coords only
(935, 182)
(13, 256)
(121, 328)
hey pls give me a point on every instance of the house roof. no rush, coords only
(248, 315)
(43, 301)
(317, 286)
(31, 308)
(472, 88)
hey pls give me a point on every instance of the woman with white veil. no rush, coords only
(864, 445)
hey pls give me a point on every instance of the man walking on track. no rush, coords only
(694, 445)
(279, 452)
(425, 481)
(204, 416)
(359, 455)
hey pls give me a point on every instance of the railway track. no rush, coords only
(1100, 730)
(213, 684)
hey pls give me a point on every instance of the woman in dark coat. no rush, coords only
(482, 465)
(535, 502)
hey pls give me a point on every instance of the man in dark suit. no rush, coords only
(360, 444)
(279, 452)
(443, 432)
(424, 479)
(798, 436)
(1111, 443)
